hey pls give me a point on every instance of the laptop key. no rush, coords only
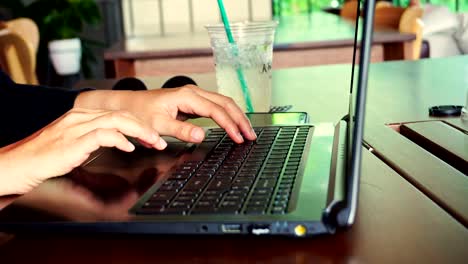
(289, 176)
(229, 204)
(262, 191)
(278, 210)
(255, 210)
(240, 188)
(174, 183)
(228, 210)
(206, 204)
(286, 181)
(162, 196)
(154, 204)
(280, 203)
(170, 188)
(173, 210)
(187, 199)
(203, 210)
(257, 203)
(284, 185)
(149, 210)
(264, 198)
(266, 183)
(234, 198)
(178, 176)
(183, 205)
(219, 184)
(188, 193)
(213, 193)
(196, 184)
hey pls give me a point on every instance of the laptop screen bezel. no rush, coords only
(357, 102)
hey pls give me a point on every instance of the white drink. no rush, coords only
(258, 81)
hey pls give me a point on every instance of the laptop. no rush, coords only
(294, 180)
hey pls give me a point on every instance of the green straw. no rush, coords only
(240, 74)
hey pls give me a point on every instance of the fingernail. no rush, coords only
(162, 143)
(131, 147)
(252, 133)
(239, 136)
(197, 134)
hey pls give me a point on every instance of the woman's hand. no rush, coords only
(166, 109)
(66, 143)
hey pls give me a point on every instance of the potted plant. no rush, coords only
(63, 24)
(60, 23)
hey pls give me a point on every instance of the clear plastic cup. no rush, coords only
(252, 54)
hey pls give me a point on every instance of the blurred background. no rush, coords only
(101, 24)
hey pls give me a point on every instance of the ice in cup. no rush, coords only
(252, 54)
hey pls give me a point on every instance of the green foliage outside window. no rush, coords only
(291, 7)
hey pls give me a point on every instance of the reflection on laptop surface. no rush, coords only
(296, 180)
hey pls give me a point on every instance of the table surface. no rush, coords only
(317, 30)
(399, 92)
(397, 221)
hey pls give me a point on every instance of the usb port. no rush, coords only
(231, 228)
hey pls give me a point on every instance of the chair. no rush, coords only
(388, 16)
(406, 20)
(349, 9)
(26, 28)
(19, 41)
(381, 4)
(411, 22)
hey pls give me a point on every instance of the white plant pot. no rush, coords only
(65, 55)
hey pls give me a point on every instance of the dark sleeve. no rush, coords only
(24, 109)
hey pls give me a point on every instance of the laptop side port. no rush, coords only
(231, 228)
(260, 230)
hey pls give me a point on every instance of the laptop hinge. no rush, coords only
(336, 199)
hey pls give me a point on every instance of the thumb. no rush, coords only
(182, 130)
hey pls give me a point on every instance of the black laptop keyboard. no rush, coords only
(251, 178)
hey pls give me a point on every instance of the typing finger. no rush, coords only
(102, 137)
(193, 103)
(232, 109)
(126, 124)
(181, 130)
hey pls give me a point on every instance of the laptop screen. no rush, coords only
(358, 91)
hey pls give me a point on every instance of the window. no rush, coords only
(165, 17)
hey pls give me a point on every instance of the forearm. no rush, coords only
(9, 175)
(24, 109)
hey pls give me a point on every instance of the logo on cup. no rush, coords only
(266, 68)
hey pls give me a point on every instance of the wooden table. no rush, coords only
(397, 221)
(317, 39)
(400, 93)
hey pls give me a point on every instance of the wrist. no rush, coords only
(16, 175)
(103, 99)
